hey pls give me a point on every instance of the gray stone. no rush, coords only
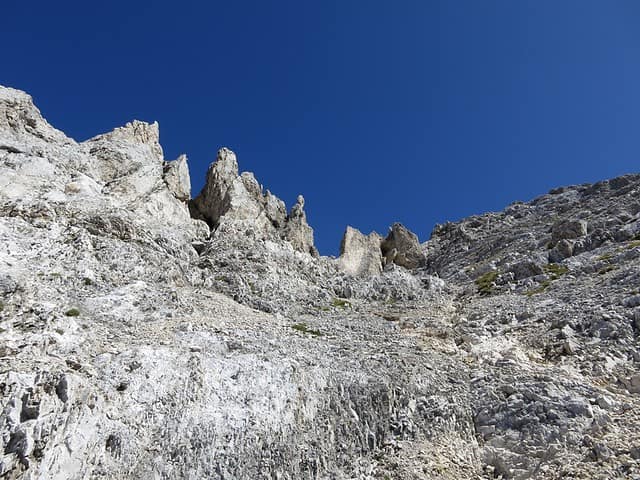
(401, 246)
(360, 255)
(297, 231)
(568, 229)
(562, 250)
(176, 176)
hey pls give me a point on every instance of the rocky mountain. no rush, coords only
(149, 333)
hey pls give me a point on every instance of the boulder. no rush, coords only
(562, 250)
(360, 254)
(525, 269)
(402, 248)
(568, 229)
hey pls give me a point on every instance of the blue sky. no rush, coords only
(376, 111)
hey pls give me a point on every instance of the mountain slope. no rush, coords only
(145, 334)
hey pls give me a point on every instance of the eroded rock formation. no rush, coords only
(232, 197)
(136, 343)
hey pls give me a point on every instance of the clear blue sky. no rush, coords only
(377, 111)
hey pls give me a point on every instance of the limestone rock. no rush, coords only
(176, 176)
(360, 255)
(297, 231)
(563, 249)
(224, 192)
(232, 197)
(20, 119)
(401, 246)
(568, 229)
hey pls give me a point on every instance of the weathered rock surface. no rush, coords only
(230, 197)
(360, 255)
(176, 176)
(137, 343)
(402, 247)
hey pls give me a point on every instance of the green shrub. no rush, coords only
(485, 282)
(555, 270)
(72, 312)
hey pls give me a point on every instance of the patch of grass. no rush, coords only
(606, 269)
(485, 282)
(87, 281)
(633, 244)
(605, 257)
(1, 305)
(340, 303)
(303, 328)
(543, 286)
(72, 312)
(555, 270)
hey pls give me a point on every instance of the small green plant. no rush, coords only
(303, 328)
(543, 286)
(72, 312)
(605, 257)
(485, 282)
(555, 270)
(340, 303)
(606, 269)
(87, 281)
(1, 305)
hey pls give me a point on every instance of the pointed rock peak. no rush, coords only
(297, 211)
(19, 116)
(360, 254)
(226, 164)
(297, 231)
(402, 247)
(176, 176)
(215, 199)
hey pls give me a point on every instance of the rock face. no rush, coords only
(402, 247)
(136, 343)
(176, 176)
(297, 231)
(360, 255)
(230, 197)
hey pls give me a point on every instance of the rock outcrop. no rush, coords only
(360, 255)
(176, 176)
(401, 246)
(232, 197)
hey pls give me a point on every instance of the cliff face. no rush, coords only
(146, 334)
